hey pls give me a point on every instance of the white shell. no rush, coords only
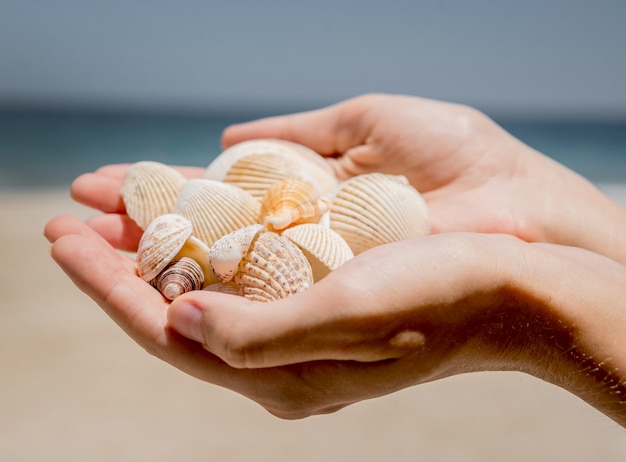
(296, 161)
(375, 209)
(226, 253)
(268, 265)
(325, 249)
(215, 209)
(149, 189)
(164, 237)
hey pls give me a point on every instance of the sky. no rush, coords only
(531, 57)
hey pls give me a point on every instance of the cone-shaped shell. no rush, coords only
(180, 276)
(215, 209)
(290, 202)
(164, 237)
(149, 190)
(325, 249)
(297, 161)
(273, 268)
(374, 209)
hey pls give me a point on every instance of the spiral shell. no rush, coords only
(215, 208)
(290, 202)
(375, 209)
(254, 165)
(149, 189)
(268, 265)
(181, 275)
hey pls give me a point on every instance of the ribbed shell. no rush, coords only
(215, 208)
(325, 249)
(274, 268)
(290, 202)
(256, 173)
(373, 209)
(181, 275)
(226, 253)
(149, 190)
(164, 237)
(297, 161)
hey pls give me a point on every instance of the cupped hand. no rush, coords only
(474, 175)
(355, 335)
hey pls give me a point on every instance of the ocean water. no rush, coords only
(41, 149)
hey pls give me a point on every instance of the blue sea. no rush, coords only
(48, 148)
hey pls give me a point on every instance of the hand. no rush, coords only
(473, 174)
(434, 307)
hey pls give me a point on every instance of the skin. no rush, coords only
(513, 277)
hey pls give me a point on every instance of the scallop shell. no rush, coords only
(375, 208)
(271, 267)
(325, 249)
(149, 189)
(296, 161)
(181, 275)
(215, 208)
(290, 202)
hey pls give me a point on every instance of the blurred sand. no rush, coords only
(75, 388)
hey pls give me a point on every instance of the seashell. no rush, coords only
(256, 173)
(271, 267)
(181, 275)
(290, 202)
(226, 253)
(149, 189)
(325, 249)
(166, 238)
(375, 208)
(294, 160)
(215, 208)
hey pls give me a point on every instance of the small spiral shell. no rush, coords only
(181, 275)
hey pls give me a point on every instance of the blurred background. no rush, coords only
(85, 83)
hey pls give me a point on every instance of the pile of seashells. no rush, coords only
(268, 220)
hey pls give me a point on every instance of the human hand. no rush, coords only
(473, 174)
(434, 307)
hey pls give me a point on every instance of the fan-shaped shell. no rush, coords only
(375, 208)
(149, 189)
(325, 249)
(269, 267)
(296, 160)
(290, 202)
(215, 208)
(164, 237)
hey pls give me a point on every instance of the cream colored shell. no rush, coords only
(215, 208)
(271, 267)
(325, 249)
(374, 209)
(150, 189)
(268, 160)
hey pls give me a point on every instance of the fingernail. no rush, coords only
(186, 319)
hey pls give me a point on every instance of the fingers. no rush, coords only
(101, 190)
(328, 321)
(119, 231)
(328, 131)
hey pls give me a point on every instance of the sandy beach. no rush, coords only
(75, 388)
